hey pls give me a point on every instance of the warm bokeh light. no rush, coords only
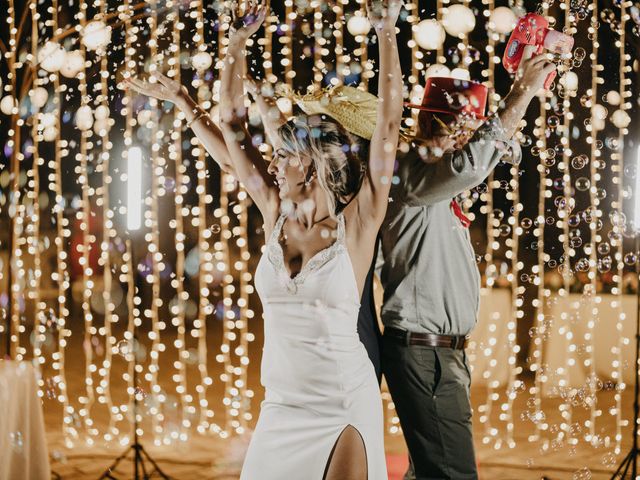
(134, 188)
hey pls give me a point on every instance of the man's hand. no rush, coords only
(532, 73)
(529, 80)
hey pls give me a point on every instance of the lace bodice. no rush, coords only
(275, 255)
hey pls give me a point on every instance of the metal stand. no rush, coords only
(140, 471)
(631, 460)
(139, 468)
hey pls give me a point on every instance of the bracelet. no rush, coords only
(201, 114)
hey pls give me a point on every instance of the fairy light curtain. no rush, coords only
(549, 229)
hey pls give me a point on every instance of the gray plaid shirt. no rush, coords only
(430, 276)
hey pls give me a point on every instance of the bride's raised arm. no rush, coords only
(165, 88)
(250, 167)
(372, 198)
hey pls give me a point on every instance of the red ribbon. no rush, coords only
(457, 211)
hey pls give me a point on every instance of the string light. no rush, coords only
(228, 185)
(131, 348)
(181, 188)
(591, 289)
(234, 312)
(517, 292)
(617, 169)
(40, 327)
(153, 241)
(366, 66)
(221, 256)
(103, 125)
(417, 65)
(341, 67)
(464, 45)
(204, 307)
(16, 263)
(243, 402)
(540, 327)
(491, 273)
(319, 50)
(130, 345)
(84, 217)
(287, 41)
(568, 251)
(61, 275)
(441, 10)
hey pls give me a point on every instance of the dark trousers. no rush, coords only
(368, 328)
(430, 389)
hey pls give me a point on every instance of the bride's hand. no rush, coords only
(164, 89)
(245, 25)
(255, 87)
(251, 85)
(383, 13)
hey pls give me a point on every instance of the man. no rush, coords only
(430, 278)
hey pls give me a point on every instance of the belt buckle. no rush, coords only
(407, 338)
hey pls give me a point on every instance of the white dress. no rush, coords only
(316, 373)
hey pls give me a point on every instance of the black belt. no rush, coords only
(457, 342)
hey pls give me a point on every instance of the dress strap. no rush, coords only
(341, 229)
(275, 233)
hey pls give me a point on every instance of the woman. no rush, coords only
(322, 415)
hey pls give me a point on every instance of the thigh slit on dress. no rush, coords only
(342, 454)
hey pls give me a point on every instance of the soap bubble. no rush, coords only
(630, 170)
(582, 265)
(583, 184)
(612, 143)
(579, 162)
(614, 236)
(618, 219)
(582, 474)
(630, 258)
(526, 141)
(558, 184)
(553, 121)
(609, 459)
(124, 347)
(17, 441)
(504, 230)
(574, 221)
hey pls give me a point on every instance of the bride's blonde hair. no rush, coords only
(337, 156)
